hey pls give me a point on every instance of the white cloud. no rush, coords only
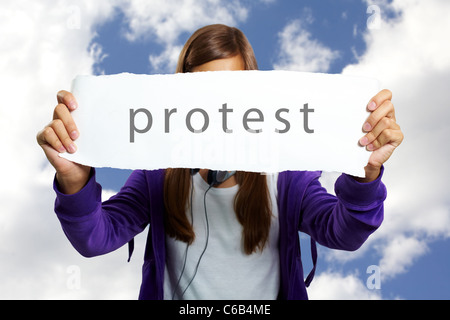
(300, 52)
(409, 54)
(166, 22)
(167, 60)
(44, 45)
(399, 254)
(106, 194)
(336, 286)
(355, 30)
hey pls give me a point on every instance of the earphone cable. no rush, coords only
(187, 244)
(206, 243)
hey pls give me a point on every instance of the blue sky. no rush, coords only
(333, 23)
(53, 42)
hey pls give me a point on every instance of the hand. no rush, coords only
(58, 137)
(383, 133)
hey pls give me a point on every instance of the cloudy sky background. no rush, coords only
(403, 43)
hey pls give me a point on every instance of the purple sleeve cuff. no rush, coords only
(360, 196)
(79, 204)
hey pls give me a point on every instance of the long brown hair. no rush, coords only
(252, 202)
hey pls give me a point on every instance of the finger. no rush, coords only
(378, 100)
(67, 98)
(385, 110)
(62, 112)
(383, 124)
(60, 130)
(389, 136)
(48, 137)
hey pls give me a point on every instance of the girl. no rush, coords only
(228, 237)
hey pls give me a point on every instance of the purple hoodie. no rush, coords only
(343, 221)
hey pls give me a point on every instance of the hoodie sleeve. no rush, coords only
(95, 228)
(346, 220)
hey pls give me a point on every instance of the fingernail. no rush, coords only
(370, 147)
(364, 141)
(62, 149)
(367, 127)
(74, 135)
(372, 105)
(73, 105)
(72, 148)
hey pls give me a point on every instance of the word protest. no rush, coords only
(224, 110)
(259, 121)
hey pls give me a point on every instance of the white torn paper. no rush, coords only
(259, 121)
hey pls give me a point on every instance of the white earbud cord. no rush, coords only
(206, 243)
